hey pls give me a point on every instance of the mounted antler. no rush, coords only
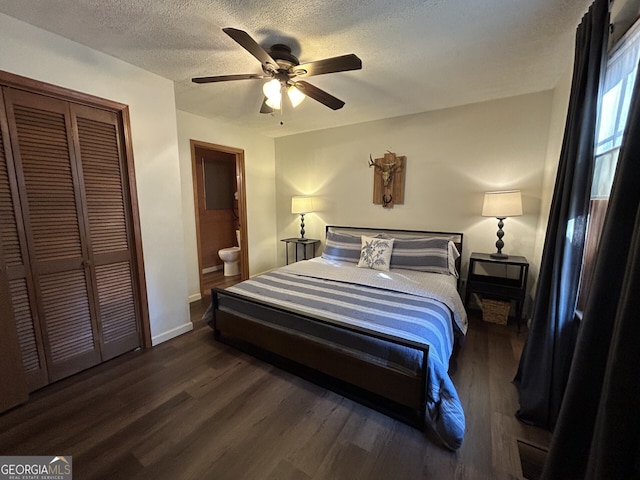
(388, 180)
(386, 169)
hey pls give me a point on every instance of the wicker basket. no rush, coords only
(495, 311)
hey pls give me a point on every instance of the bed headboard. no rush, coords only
(455, 237)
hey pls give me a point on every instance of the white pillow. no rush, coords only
(375, 253)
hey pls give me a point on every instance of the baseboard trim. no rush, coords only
(215, 268)
(169, 334)
(195, 297)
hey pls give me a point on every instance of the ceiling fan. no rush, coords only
(282, 67)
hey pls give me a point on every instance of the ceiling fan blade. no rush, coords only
(330, 65)
(265, 108)
(226, 78)
(320, 95)
(250, 45)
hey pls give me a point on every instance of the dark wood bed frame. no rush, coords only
(261, 329)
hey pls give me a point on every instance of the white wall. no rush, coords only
(559, 107)
(453, 157)
(34, 53)
(259, 161)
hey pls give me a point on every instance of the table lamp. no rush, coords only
(301, 205)
(502, 205)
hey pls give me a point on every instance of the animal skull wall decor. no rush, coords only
(385, 167)
(388, 179)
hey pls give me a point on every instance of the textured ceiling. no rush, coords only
(417, 55)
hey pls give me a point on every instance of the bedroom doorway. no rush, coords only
(220, 210)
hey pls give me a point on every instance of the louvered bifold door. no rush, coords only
(23, 312)
(50, 197)
(109, 226)
(12, 372)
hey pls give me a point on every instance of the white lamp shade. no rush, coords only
(271, 88)
(502, 204)
(301, 204)
(273, 91)
(274, 102)
(295, 95)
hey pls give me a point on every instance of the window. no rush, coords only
(620, 75)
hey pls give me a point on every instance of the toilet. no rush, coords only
(231, 258)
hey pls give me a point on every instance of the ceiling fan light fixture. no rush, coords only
(272, 90)
(295, 95)
(274, 102)
(282, 66)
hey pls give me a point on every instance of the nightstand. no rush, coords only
(498, 278)
(304, 242)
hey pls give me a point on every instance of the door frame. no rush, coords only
(242, 204)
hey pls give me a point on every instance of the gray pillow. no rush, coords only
(421, 254)
(342, 247)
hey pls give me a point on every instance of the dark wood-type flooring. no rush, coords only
(217, 280)
(192, 408)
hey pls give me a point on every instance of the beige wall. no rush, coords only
(34, 53)
(559, 107)
(453, 157)
(260, 181)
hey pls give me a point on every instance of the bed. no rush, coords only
(375, 318)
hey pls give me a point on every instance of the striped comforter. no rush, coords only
(417, 306)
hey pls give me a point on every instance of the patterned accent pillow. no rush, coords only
(422, 254)
(376, 253)
(342, 247)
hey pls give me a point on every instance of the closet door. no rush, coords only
(14, 387)
(21, 310)
(48, 184)
(72, 288)
(12, 374)
(109, 226)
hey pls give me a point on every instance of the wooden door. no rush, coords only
(48, 178)
(72, 182)
(14, 386)
(109, 229)
(12, 377)
(72, 289)
(21, 311)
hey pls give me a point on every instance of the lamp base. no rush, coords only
(499, 243)
(302, 226)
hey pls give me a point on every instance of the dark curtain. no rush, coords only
(546, 358)
(598, 431)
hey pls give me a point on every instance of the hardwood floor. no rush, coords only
(194, 408)
(218, 280)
